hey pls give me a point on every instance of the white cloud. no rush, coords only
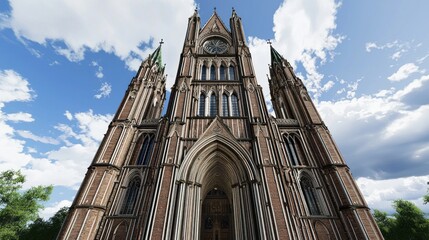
(404, 72)
(12, 150)
(352, 88)
(304, 30)
(54, 63)
(124, 28)
(68, 115)
(104, 90)
(31, 150)
(99, 72)
(422, 59)
(73, 158)
(402, 128)
(19, 117)
(411, 87)
(378, 132)
(380, 194)
(32, 136)
(369, 46)
(397, 55)
(93, 125)
(13, 87)
(328, 86)
(399, 47)
(49, 211)
(81, 140)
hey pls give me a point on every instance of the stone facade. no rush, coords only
(217, 165)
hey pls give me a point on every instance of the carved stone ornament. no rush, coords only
(286, 121)
(250, 87)
(217, 129)
(183, 87)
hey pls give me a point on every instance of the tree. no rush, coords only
(45, 230)
(407, 223)
(18, 207)
(426, 197)
(385, 224)
(410, 221)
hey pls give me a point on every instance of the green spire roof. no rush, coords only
(275, 56)
(156, 57)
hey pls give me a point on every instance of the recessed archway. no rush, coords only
(218, 171)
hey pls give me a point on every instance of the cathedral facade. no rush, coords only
(217, 165)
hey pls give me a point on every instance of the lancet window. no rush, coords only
(231, 73)
(212, 73)
(202, 105)
(131, 195)
(213, 105)
(294, 151)
(310, 195)
(222, 72)
(234, 106)
(204, 72)
(146, 150)
(230, 105)
(225, 105)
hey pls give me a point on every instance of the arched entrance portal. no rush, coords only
(218, 171)
(216, 217)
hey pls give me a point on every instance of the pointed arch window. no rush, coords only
(225, 105)
(291, 151)
(212, 73)
(204, 72)
(222, 72)
(146, 150)
(202, 105)
(213, 105)
(234, 106)
(231, 73)
(310, 195)
(131, 196)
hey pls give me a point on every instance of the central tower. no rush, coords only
(217, 165)
(217, 138)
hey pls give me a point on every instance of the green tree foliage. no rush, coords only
(45, 230)
(407, 223)
(410, 221)
(426, 197)
(18, 207)
(384, 223)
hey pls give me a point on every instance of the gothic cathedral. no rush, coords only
(217, 165)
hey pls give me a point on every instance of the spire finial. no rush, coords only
(269, 42)
(161, 42)
(214, 9)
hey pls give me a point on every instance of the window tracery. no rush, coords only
(202, 105)
(310, 195)
(131, 196)
(146, 150)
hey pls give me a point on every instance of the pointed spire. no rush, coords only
(275, 56)
(156, 56)
(196, 14)
(234, 14)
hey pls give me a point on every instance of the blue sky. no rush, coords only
(65, 65)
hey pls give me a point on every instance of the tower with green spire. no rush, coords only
(98, 202)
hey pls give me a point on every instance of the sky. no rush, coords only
(65, 66)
